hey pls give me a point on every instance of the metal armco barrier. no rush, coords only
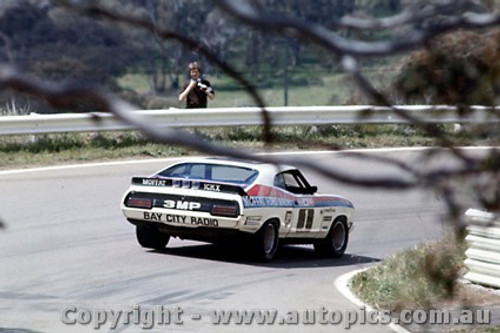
(483, 254)
(241, 116)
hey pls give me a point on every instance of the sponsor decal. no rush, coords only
(265, 196)
(267, 202)
(153, 216)
(205, 221)
(172, 218)
(189, 184)
(154, 182)
(179, 204)
(327, 219)
(211, 187)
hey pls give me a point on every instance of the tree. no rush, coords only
(417, 26)
(462, 67)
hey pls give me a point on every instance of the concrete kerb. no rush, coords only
(342, 285)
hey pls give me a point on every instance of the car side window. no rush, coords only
(279, 181)
(197, 171)
(178, 171)
(287, 181)
(291, 181)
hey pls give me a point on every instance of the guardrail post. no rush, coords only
(483, 253)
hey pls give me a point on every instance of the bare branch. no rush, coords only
(97, 11)
(350, 65)
(416, 14)
(63, 96)
(296, 28)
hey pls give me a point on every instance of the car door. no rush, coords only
(305, 219)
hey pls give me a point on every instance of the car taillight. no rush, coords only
(230, 210)
(139, 203)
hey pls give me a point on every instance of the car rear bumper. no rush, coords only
(187, 220)
(204, 234)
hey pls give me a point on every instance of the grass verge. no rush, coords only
(424, 278)
(52, 149)
(415, 278)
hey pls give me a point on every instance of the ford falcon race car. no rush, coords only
(242, 202)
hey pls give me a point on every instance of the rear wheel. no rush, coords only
(266, 242)
(151, 238)
(335, 243)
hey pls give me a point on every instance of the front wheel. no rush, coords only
(335, 243)
(151, 238)
(266, 242)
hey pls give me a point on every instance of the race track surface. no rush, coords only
(67, 252)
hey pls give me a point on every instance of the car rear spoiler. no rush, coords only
(189, 184)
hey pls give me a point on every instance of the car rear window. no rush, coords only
(211, 172)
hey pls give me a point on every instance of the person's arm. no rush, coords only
(207, 89)
(183, 94)
(210, 94)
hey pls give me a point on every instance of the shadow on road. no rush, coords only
(287, 257)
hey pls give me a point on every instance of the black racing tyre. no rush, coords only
(266, 242)
(335, 243)
(151, 238)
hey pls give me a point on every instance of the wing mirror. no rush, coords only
(312, 189)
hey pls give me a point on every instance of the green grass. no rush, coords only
(423, 278)
(34, 150)
(333, 90)
(135, 82)
(54, 149)
(415, 278)
(305, 89)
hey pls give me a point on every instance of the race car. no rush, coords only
(221, 200)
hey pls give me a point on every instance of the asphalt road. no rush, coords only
(67, 252)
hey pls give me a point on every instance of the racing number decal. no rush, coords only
(302, 219)
(306, 217)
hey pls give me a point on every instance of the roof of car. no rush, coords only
(260, 166)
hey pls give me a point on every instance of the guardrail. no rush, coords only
(483, 254)
(213, 117)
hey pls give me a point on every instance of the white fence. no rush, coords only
(216, 117)
(483, 254)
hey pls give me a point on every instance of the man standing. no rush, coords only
(196, 91)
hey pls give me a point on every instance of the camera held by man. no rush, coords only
(202, 86)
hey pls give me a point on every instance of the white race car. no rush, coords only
(242, 202)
